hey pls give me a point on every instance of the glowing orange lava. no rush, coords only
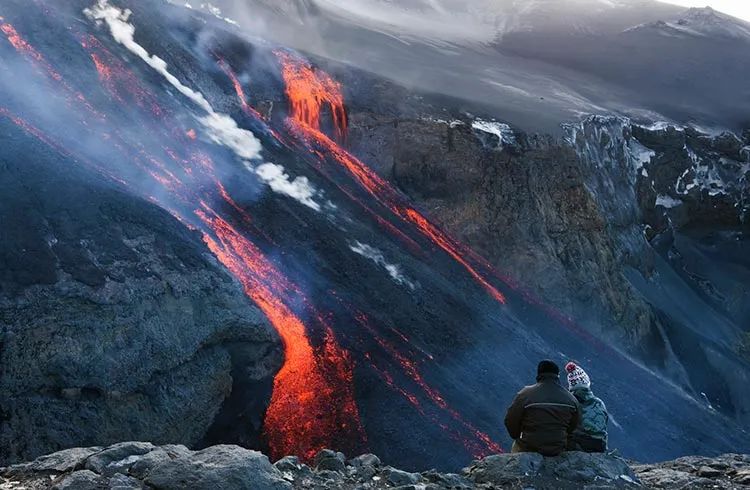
(307, 89)
(238, 89)
(121, 83)
(411, 370)
(39, 61)
(311, 404)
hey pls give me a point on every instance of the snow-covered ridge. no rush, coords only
(710, 165)
(700, 22)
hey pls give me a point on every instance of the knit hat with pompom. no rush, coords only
(577, 377)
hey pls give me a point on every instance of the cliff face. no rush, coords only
(637, 232)
(114, 321)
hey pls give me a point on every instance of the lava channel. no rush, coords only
(308, 90)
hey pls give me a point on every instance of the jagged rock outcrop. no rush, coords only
(139, 465)
(639, 233)
(114, 321)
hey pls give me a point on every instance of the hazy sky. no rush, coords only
(738, 8)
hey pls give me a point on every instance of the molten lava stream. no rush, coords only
(307, 90)
(410, 369)
(238, 88)
(312, 404)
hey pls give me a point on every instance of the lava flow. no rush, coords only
(481, 445)
(308, 89)
(312, 404)
(306, 408)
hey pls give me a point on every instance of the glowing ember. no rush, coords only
(119, 81)
(40, 62)
(238, 89)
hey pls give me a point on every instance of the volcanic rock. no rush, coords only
(232, 467)
(79, 480)
(330, 460)
(401, 478)
(217, 467)
(115, 323)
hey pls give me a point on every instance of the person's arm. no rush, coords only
(514, 416)
(576, 419)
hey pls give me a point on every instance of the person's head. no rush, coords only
(547, 368)
(577, 377)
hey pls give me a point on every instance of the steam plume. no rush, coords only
(377, 256)
(220, 128)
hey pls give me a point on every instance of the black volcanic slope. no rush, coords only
(397, 339)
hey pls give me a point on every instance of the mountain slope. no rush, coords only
(391, 326)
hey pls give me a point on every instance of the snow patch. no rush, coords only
(667, 201)
(639, 155)
(377, 256)
(504, 132)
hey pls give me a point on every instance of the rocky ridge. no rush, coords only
(142, 465)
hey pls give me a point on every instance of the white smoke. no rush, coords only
(220, 128)
(124, 33)
(299, 189)
(377, 256)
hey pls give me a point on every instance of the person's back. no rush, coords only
(543, 416)
(591, 434)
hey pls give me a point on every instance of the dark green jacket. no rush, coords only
(543, 416)
(594, 416)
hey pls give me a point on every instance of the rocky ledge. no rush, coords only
(141, 465)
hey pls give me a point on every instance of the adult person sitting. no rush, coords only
(543, 416)
(591, 433)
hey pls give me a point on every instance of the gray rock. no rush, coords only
(288, 463)
(586, 467)
(742, 477)
(330, 460)
(365, 473)
(122, 482)
(709, 472)
(62, 461)
(365, 460)
(118, 458)
(399, 478)
(330, 475)
(447, 480)
(218, 468)
(504, 468)
(80, 480)
(668, 478)
(148, 461)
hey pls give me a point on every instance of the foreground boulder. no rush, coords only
(139, 465)
(569, 470)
